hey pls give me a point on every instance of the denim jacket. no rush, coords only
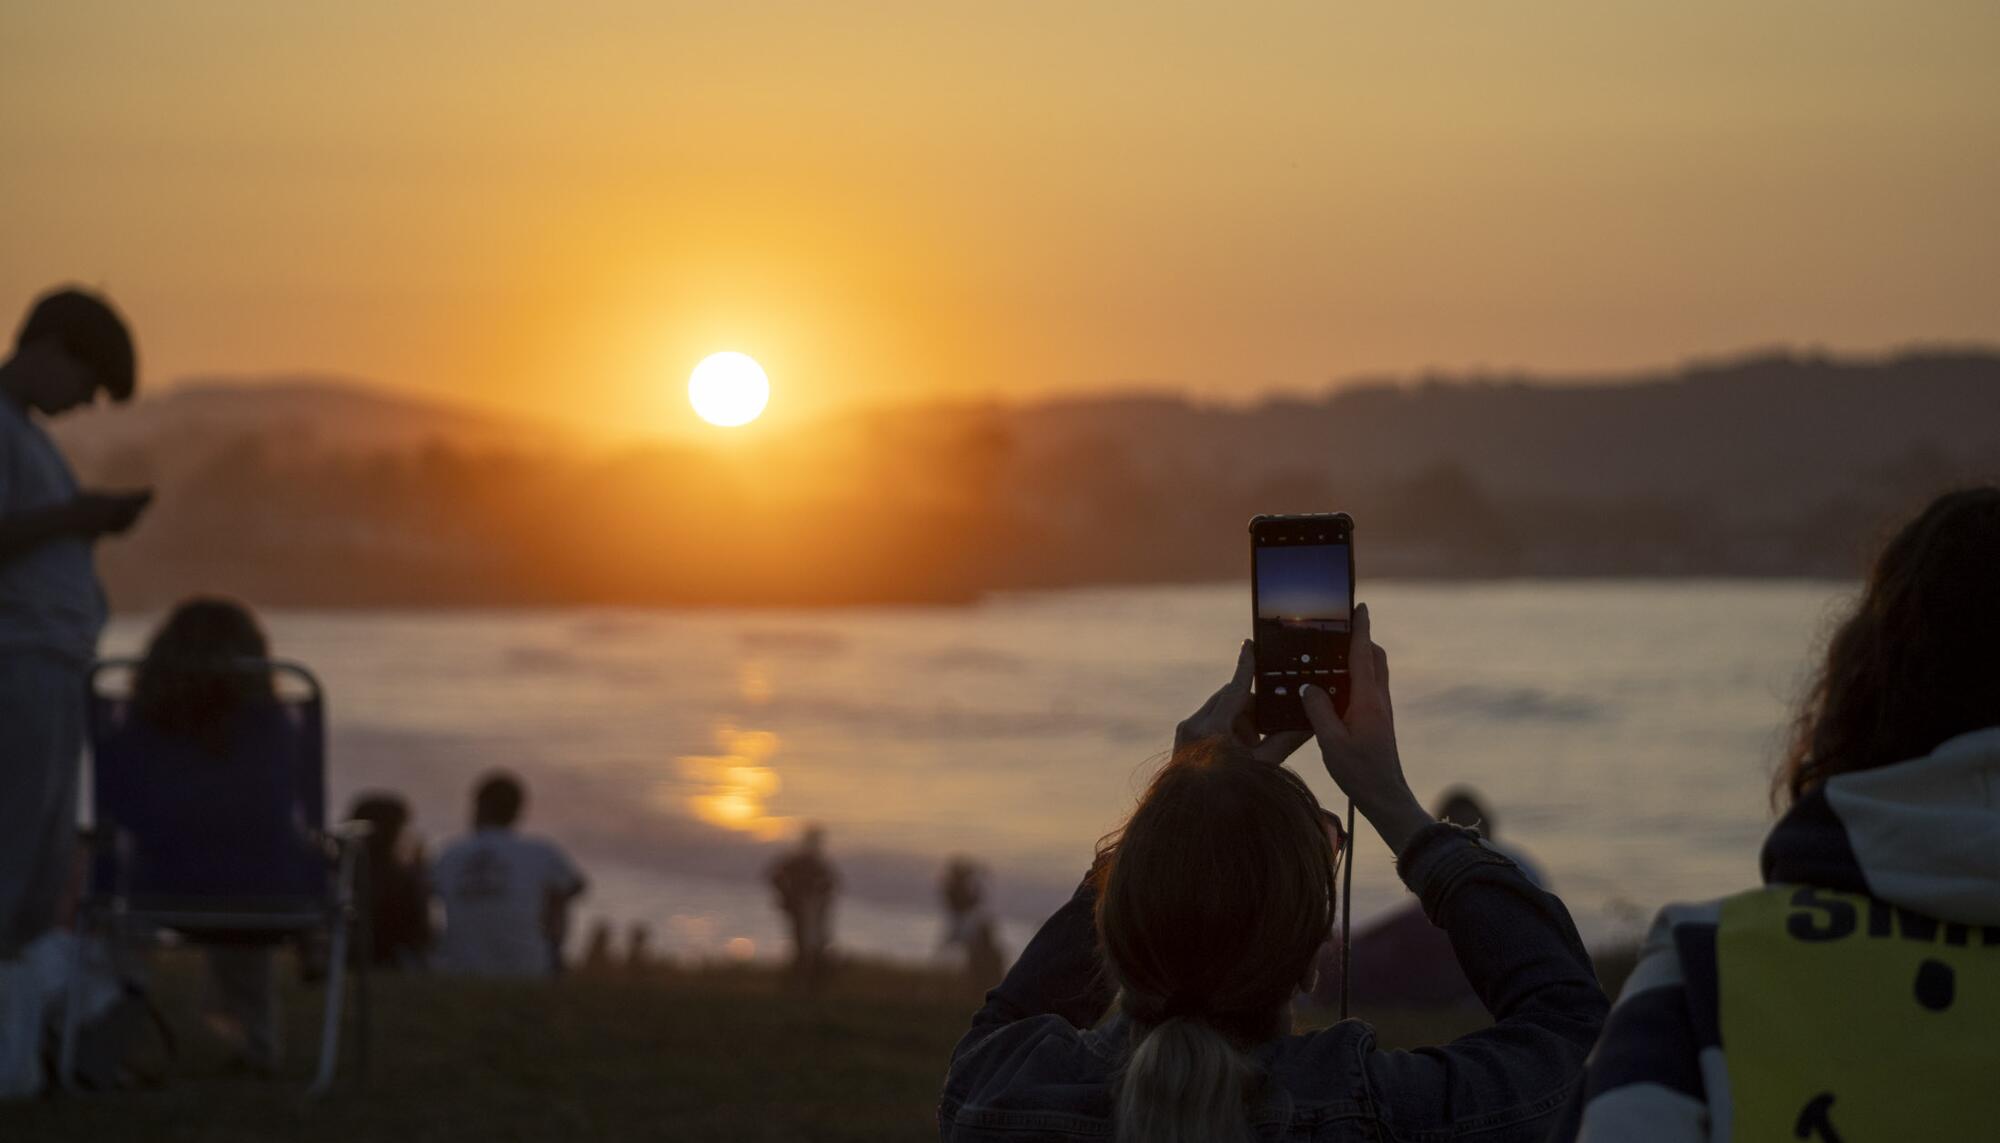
(1040, 1060)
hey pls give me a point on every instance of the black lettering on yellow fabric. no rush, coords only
(1816, 1119)
(1937, 985)
(1838, 918)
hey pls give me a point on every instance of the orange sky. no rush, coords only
(560, 208)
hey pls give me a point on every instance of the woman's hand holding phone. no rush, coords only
(1359, 749)
(1226, 715)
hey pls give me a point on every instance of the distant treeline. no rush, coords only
(1775, 465)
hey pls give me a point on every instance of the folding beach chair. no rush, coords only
(230, 848)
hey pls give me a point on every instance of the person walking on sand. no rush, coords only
(506, 895)
(806, 883)
(71, 345)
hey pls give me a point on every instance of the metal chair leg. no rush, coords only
(336, 980)
(362, 966)
(72, 1005)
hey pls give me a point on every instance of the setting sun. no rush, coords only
(728, 389)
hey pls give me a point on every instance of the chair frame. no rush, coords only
(117, 917)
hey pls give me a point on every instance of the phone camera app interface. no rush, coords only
(1302, 613)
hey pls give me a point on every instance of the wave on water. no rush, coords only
(975, 659)
(803, 642)
(1508, 704)
(951, 722)
(542, 659)
(614, 628)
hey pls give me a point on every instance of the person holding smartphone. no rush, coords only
(1156, 1004)
(71, 345)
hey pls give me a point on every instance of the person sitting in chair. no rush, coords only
(234, 805)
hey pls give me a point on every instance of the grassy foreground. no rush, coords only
(723, 1053)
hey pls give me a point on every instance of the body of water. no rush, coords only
(1624, 733)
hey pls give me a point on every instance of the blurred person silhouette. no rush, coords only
(970, 932)
(506, 895)
(1462, 805)
(1401, 959)
(191, 689)
(962, 889)
(806, 884)
(985, 960)
(1854, 995)
(638, 947)
(597, 947)
(398, 883)
(71, 345)
(1198, 923)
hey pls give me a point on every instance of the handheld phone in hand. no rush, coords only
(1302, 604)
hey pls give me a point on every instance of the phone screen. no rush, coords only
(1303, 581)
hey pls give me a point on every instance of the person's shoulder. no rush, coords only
(542, 846)
(1325, 1066)
(553, 858)
(1040, 1066)
(454, 850)
(1681, 932)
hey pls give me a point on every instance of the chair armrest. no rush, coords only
(350, 851)
(353, 831)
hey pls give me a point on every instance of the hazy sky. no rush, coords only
(561, 208)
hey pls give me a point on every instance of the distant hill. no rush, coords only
(1760, 435)
(316, 492)
(310, 413)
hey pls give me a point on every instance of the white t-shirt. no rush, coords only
(49, 597)
(495, 886)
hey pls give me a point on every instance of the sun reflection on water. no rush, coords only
(736, 783)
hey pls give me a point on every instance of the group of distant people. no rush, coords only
(494, 903)
(205, 698)
(1849, 997)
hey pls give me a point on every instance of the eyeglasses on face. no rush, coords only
(1339, 831)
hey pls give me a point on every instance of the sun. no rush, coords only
(728, 389)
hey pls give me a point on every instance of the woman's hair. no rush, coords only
(387, 814)
(191, 683)
(1914, 665)
(1212, 901)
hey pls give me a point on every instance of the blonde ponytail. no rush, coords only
(1184, 1083)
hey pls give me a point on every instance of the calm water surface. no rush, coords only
(1623, 730)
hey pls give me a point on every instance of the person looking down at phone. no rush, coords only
(1199, 922)
(51, 610)
(71, 346)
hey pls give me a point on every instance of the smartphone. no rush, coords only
(1302, 608)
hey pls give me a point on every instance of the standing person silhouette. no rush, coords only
(71, 345)
(962, 888)
(806, 883)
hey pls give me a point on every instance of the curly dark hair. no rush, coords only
(1914, 664)
(191, 683)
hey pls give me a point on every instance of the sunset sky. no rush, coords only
(559, 209)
